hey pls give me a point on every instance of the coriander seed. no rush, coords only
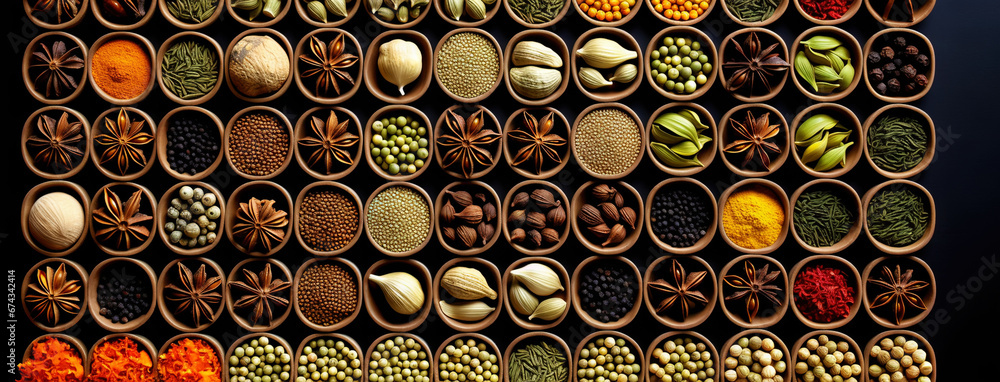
(259, 143)
(468, 65)
(398, 219)
(607, 141)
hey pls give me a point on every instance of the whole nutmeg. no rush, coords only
(258, 65)
(887, 52)
(556, 217)
(56, 221)
(520, 200)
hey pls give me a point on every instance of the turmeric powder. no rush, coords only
(752, 217)
(121, 68)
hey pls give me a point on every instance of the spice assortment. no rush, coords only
(680, 65)
(757, 357)
(822, 358)
(535, 218)
(900, 358)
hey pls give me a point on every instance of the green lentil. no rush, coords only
(399, 359)
(468, 65)
(682, 359)
(257, 360)
(329, 360)
(398, 219)
(399, 144)
(468, 361)
(608, 141)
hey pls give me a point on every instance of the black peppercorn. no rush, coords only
(893, 85)
(608, 292)
(874, 58)
(876, 75)
(680, 216)
(887, 52)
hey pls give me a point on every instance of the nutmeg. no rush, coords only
(556, 217)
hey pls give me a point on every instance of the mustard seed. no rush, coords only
(468, 65)
(258, 144)
(398, 219)
(607, 141)
(328, 220)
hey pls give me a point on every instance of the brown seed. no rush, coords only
(619, 200)
(485, 231)
(471, 214)
(608, 212)
(616, 236)
(534, 237)
(556, 217)
(466, 235)
(601, 230)
(550, 236)
(536, 220)
(481, 196)
(489, 212)
(461, 198)
(520, 200)
(544, 199)
(449, 233)
(258, 143)
(628, 215)
(516, 218)
(603, 192)
(327, 219)
(590, 215)
(517, 235)
(447, 213)
(327, 293)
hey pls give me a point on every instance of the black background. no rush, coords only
(962, 178)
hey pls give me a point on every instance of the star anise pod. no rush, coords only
(888, 9)
(901, 291)
(63, 7)
(538, 143)
(119, 223)
(53, 294)
(755, 133)
(121, 141)
(260, 292)
(684, 289)
(196, 293)
(260, 224)
(328, 63)
(755, 66)
(58, 144)
(54, 63)
(467, 139)
(331, 141)
(757, 282)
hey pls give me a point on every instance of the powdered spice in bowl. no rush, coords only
(121, 67)
(754, 217)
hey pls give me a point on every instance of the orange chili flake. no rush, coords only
(189, 360)
(52, 360)
(120, 360)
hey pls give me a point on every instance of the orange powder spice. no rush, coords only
(121, 68)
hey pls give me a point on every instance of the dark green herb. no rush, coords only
(897, 144)
(752, 10)
(821, 218)
(190, 69)
(192, 11)
(538, 363)
(537, 11)
(898, 217)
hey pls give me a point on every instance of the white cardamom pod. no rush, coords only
(592, 78)
(603, 53)
(549, 309)
(337, 7)
(454, 8)
(400, 62)
(535, 82)
(374, 5)
(402, 291)
(535, 53)
(624, 74)
(538, 278)
(521, 298)
(466, 310)
(466, 283)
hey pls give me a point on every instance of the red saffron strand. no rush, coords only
(822, 294)
(826, 9)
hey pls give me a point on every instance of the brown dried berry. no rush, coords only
(516, 218)
(489, 212)
(628, 216)
(535, 220)
(608, 212)
(447, 213)
(461, 198)
(911, 51)
(556, 217)
(590, 215)
(449, 233)
(467, 235)
(517, 236)
(876, 75)
(616, 236)
(520, 200)
(923, 60)
(481, 196)
(894, 85)
(471, 214)
(921, 80)
(550, 236)
(909, 71)
(887, 52)
(544, 199)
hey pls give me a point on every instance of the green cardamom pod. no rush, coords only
(679, 125)
(827, 87)
(846, 76)
(672, 159)
(822, 43)
(816, 58)
(815, 150)
(403, 14)
(838, 138)
(814, 125)
(694, 118)
(835, 61)
(686, 148)
(317, 11)
(454, 8)
(476, 9)
(833, 157)
(804, 68)
(489, 2)
(843, 53)
(337, 7)
(704, 139)
(256, 11)
(826, 74)
(247, 5)
(660, 134)
(415, 12)
(386, 14)
(418, 3)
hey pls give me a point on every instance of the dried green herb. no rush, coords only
(752, 10)
(190, 69)
(538, 363)
(898, 217)
(821, 218)
(192, 11)
(897, 144)
(536, 11)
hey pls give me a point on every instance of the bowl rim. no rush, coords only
(437, 294)
(851, 11)
(303, 46)
(931, 141)
(560, 344)
(209, 340)
(373, 78)
(776, 162)
(694, 336)
(233, 13)
(259, 109)
(150, 198)
(72, 341)
(930, 50)
(856, 227)
(80, 14)
(852, 156)
(560, 48)
(186, 25)
(870, 269)
(374, 311)
(779, 194)
(232, 214)
(848, 40)
(188, 35)
(257, 330)
(921, 340)
(98, 126)
(142, 343)
(492, 11)
(304, 14)
(303, 127)
(778, 12)
(609, 333)
(659, 15)
(580, 196)
(782, 53)
(861, 356)
(558, 17)
(107, 23)
(94, 307)
(778, 344)
(501, 64)
(509, 125)
(713, 132)
(845, 266)
(439, 202)
(920, 16)
(577, 300)
(432, 370)
(413, 113)
(439, 131)
(161, 209)
(704, 40)
(407, 26)
(293, 370)
(615, 23)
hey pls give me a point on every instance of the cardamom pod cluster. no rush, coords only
(467, 220)
(605, 217)
(402, 291)
(676, 138)
(530, 282)
(824, 63)
(536, 219)
(601, 55)
(268, 8)
(823, 141)
(469, 287)
(474, 9)
(397, 11)
(534, 71)
(319, 10)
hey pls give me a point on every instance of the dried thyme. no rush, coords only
(538, 363)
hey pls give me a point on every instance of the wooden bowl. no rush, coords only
(491, 348)
(883, 315)
(782, 6)
(564, 279)
(73, 342)
(303, 129)
(662, 17)
(320, 339)
(407, 26)
(544, 25)
(533, 338)
(258, 109)
(931, 139)
(885, 35)
(171, 276)
(281, 40)
(708, 47)
(709, 233)
(380, 311)
(261, 21)
(847, 39)
(762, 320)
(550, 40)
(851, 11)
(600, 335)
(118, 266)
(464, 19)
(657, 343)
(321, 185)
(279, 342)
(440, 295)
(161, 210)
(419, 342)
(333, 20)
(31, 129)
(398, 110)
(29, 58)
(705, 156)
(209, 340)
(113, 23)
(778, 344)
(616, 23)
(114, 36)
(919, 14)
(632, 199)
(851, 275)
(441, 129)
(263, 190)
(162, 141)
(99, 127)
(617, 91)
(184, 37)
(43, 189)
(143, 344)
(929, 200)
(660, 267)
(45, 20)
(736, 39)
(510, 149)
(386, 91)
(850, 120)
(638, 125)
(853, 203)
(507, 209)
(304, 48)
(343, 263)
(147, 205)
(783, 140)
(255, 266)
(81, 277)
(430, 228)
(779, 194)
(501, 68)
(910, 335)
(439, 225)
(577, 302)
(177, 22)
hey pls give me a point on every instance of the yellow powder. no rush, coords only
(752, 217)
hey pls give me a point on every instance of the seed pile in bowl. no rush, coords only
(399, 359)
(608, 359)
(823, 359)
(536, 218)
(897, 142)
(328, 359)
(541, 362)
(193, 218)
(468, 220)
(899, 67)
(327, 293)
(258, 143)
(468, 65)
(469, 360)
(123, 294)
(606, 216)
(682, 359)
(607, 141)
(192, 143)
(899, 359)
(680, 215)
(754, 358)
(898, 217)
(328, 219)
(399, 144)
(608, 291)
(260, 360)
(821, 218)
(679, 65)
(398, 219)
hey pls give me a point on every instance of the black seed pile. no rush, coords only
(608, 292)
(123, 296)
(680, 216)
(192, 143)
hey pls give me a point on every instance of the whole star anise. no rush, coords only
(328, 63)
(901, 291)
(119, 223)
(756, 283)
(260, 224)
(755, 65)
(122, 140)
(331, 141)
(54, 62)
(196, 293)
(260, 292)
(755, 132)
(57, 147)
(683, 289)
(52, 294)
(467, 140)
(63, 7)
(538, 144)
